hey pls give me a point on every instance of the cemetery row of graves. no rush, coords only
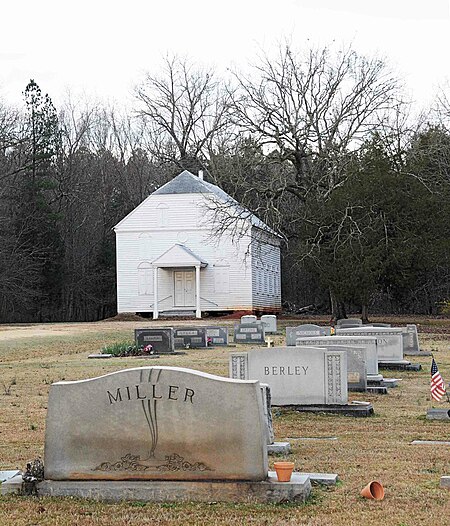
(176, 433)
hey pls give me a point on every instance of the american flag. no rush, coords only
(437, 383)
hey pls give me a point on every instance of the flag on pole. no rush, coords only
(437, 383)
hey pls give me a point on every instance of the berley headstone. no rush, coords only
(156, 423)
(296, 376)
(349, 322)
(304, 331)
(410, 339)
(249, 333)
(190, 337)
(249, 318)
(217, 335)
(389, 341)
(368, 342)
(161, 339)
(270, 323)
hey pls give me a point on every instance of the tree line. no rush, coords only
(320, 144)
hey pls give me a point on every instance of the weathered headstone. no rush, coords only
(410, 339)
(368, 342)
(270, 323)
(267, 410)
(161, 339)
(190, 337)
(249, 333)
(305, 331)
(304, 376)
(350, 322)
(249, 318)
(389, 341)
(217, 335)
(156, 423)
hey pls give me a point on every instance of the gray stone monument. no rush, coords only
(217, 335)
(350, 322)
(249, 333)
(190, 337)
(389, 341)
(161, 339)
(304, 376)
(249, 318)
(410, 339)
(305, 331)
(369, 343)
(270, 323)
(156, 423)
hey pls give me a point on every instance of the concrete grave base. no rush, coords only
(269, 490)
(377, 389)
(390, 382)
(12, 485)
(445, 482)
(374, 379)
(279, 448)
(438, 414)
(417, 353)
(402, 365)
(325, 479)
(358, 410)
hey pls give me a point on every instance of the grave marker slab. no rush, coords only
(156, 423)
(304, 376)
(389, 341)
(161, 339)
(190, 337)
(249, 333)
(350, 322)
(305, 331)
(368, 342)
(249, 318)
(217, 335)
(270, 323)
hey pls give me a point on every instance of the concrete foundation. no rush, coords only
(438, 414)
(279, 448)
(358, 410)
(270, 490)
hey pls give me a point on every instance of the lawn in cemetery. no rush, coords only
(357, 449)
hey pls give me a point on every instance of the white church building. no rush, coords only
(171, 256)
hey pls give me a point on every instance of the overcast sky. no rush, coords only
(102, 47)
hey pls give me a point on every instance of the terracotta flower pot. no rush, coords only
(373, 490)
(284, 470)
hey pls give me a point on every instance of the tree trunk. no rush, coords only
(365, 313)
(337, 308)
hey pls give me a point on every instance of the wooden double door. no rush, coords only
(184, 288)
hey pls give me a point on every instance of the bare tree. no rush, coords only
(185, 109)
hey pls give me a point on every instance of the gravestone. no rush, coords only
(249, 333)
(304, 331)
(267, 410)
(350, 322)
(156, 423)
(249, 318)
(410, 339)
(368, 342)
(190, 337)
(270, 323)
(304, 376)
(217, 335)
(378, 325)
(389, 341)
(161, 339)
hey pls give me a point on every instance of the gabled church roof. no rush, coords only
(178, 256)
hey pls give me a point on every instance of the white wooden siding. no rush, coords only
(140, 240)
(266, 272)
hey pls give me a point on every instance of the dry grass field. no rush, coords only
(34, 356)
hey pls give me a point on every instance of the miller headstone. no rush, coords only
(161, 339)
(156, 423)
(303, 376)
(305, 331)
(190, 337)
(217, 335)
(249, 333)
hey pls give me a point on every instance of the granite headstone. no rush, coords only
(249, 333)
(190, 337)
(217, 335)
(305, 331)
(389, 341)
(161, 339)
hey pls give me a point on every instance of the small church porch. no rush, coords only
(185, 267)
